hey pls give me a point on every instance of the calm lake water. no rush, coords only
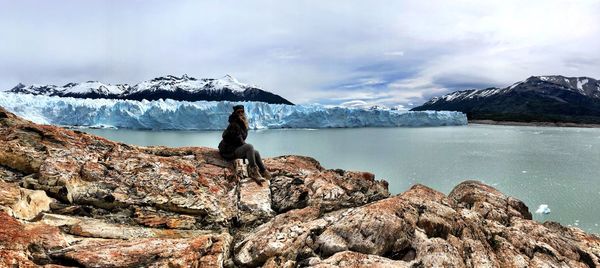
(559, 167)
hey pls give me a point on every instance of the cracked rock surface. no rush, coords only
(70, 199)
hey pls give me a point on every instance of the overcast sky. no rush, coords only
(330, 52)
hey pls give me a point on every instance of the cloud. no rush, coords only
(382, 52)
(394, 53)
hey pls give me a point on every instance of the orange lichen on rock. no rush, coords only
(74, 199)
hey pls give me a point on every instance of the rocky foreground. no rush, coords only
(70, 199)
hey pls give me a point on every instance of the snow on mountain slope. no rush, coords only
(35, 89)
(229, 82)
(586, 86)
(71, 89)
(167, 83)
(172, 83)
(203, 115)
(93, 87)
(184, 88)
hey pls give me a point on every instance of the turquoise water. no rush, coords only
(559, 167)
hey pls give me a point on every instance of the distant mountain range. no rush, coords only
(537, 99)
(182, 88)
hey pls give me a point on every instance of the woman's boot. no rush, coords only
(265, 174)
(254, 174)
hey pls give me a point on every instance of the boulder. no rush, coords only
(72, 199)
(420, 227)
(23, 203)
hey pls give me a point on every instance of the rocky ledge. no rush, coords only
(70, 199)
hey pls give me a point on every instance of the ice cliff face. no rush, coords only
(204, 115)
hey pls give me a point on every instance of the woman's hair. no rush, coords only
(242, 117)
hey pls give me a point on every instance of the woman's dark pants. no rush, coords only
(247, 151)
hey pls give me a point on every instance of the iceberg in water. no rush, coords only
(210, 115)
(543, 209)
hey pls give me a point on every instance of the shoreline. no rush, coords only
(534, 124)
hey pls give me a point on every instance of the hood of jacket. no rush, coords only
(234, 118)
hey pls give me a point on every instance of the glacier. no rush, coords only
(210, 115)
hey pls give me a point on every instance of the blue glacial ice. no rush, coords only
(204, 115)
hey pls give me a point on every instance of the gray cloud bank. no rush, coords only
(331, 52)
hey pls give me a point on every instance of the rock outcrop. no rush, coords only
(70, 199)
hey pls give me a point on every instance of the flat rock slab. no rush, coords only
(201, 251)
(255, 202)
(89, 227)
(357, 260)
(36, 244)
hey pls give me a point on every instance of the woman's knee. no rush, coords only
(249, 146)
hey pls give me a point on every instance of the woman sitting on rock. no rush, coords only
(234, 144)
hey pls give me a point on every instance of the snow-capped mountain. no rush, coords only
(538, 98)
(360, 104)
(89, 89)
(209, 115)
(183, 88)
(585, 86)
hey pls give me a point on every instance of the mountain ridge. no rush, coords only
(553, 98)
(184, 88)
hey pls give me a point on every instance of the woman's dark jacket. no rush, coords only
(233, 137)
